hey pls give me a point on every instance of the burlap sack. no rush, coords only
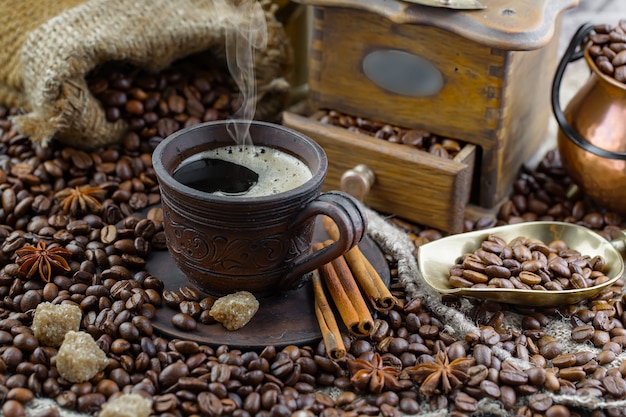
(47, 47)
(17, 19)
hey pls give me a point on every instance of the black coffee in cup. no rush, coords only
(249, 171)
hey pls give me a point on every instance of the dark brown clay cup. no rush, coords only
(225, 244)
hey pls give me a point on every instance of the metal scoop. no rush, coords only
(436, 258)
(451, 4)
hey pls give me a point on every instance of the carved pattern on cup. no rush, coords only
(235, 254)
(228, 255)
(218, 252)
(188, 242)
(300, 242)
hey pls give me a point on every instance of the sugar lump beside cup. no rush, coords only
(127, 405)
(80, 358)
(52, 321)
(235, 310)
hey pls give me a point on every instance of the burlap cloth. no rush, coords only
(457, 323)
(48, 46)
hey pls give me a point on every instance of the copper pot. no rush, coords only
(592, 135)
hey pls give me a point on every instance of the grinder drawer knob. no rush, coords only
(357, 181)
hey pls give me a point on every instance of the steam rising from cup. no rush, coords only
(248, 35)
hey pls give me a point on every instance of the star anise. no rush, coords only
(440, 376)
(372, 375)
(42, 259)
(83, 199)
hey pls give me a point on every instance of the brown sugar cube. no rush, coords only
(52, 321)
(235, 310)
(79, 358)
(127, 405)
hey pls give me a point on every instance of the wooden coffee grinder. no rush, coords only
(482, 77)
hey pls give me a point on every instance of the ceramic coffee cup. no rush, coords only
(261, 244)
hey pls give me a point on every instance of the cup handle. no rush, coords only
(348, 214)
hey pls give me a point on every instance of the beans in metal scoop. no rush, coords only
(527, 264)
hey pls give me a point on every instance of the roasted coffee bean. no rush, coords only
(615, 385)
(9, 200)
(26, 342)
(30, 300)
(172, 373)
(564, 360)
(552, 383)
(209, 404)
(513, 377)
(602, 321)
(465, 403)
(489, 336)
(108, 234)
(90, 402)
(551, 349)
(536, 375)
(12, 408)
(605, 357)
(582, 333)
(12, 356)
(558, 410)
(539, 402)
(584, 357)
(21, 395)
(600, 338)
(532, 323)
(490, 388)
(190, 294)
(574, 373)
(184, 322)
(172, 298)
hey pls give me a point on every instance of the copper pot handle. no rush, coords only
(574, 52)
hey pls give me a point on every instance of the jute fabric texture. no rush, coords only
(457, 323)
(56, 55)
(17, 19)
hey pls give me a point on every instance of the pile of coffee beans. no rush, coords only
(417, 139)
(192, 307)
(119, 299)
(527, 264)
(607, 46)
(156, 105)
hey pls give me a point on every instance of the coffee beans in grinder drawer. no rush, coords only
(419, 139)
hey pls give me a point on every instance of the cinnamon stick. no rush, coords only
(335, 348)
(366, 275)
(347, 298)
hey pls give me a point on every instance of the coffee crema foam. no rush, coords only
(278, 171)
